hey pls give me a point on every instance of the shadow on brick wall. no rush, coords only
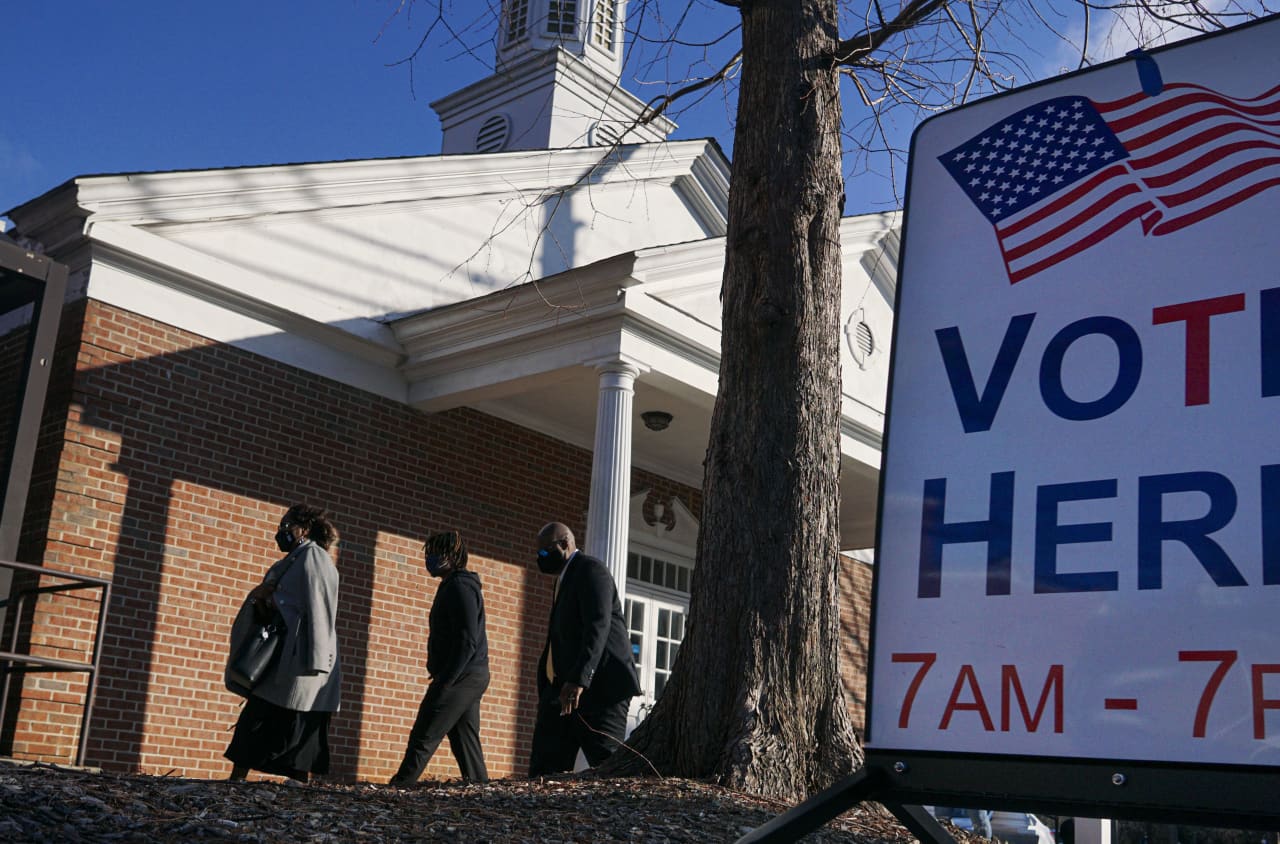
(175, 462)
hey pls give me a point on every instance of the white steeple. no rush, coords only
(589, 29)
(559, 66)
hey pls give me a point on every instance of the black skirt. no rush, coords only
(280, 741)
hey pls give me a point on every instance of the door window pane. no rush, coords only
(668, 574)
(635, 624)
(656, 605)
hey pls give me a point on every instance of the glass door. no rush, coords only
(657, 626)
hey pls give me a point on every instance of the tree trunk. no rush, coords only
(756, 700)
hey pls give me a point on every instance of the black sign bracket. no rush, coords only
(1115, 789)
(836, 799)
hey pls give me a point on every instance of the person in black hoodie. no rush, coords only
(457, 664)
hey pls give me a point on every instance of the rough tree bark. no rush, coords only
(757, 700)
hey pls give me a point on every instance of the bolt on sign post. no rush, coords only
(1077, 588)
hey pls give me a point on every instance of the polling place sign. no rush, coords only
(1078, 552)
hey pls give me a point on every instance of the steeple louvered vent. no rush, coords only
(562, 17)
(517, 19)
(605, 24)
(494, 134)
(605, 135)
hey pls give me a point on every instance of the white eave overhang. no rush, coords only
(178, 267)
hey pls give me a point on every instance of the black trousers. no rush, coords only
(596, 730)
(452, 710)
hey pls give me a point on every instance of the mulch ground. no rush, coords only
(47, 803)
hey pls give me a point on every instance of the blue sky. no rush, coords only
(94, 86)
(107, 86)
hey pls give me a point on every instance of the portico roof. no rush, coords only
(530, 355)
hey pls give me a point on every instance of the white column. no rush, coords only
(607, 511)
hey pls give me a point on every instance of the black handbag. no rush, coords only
(259, 653)
(262, 648)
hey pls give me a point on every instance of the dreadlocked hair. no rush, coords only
(319, 529)
(449, 544)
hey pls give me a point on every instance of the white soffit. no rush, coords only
(166, 281)
(244, 290)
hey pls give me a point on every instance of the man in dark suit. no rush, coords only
(586, 675)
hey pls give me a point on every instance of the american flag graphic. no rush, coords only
(1067, 173)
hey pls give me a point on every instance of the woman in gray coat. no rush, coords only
(284, 726)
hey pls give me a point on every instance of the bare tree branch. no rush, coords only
(852, 50)
(659, 104)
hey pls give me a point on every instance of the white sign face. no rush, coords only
(1079, 549)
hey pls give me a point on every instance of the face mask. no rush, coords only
(285, 540)
(551, 560)
(437, 565)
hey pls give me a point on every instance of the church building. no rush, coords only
(520, 329)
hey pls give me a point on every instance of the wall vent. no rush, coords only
(605, 135)
(865, 339)
(858, 335)
(494, 134)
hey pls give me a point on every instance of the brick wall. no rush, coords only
(60, 695)
(177, 459)
(855, 629)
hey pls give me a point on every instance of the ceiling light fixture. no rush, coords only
(656, 420)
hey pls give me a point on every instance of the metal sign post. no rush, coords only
(1078, 538)
(839, 798)
(28, 279)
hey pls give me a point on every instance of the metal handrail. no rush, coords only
(27, 663)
